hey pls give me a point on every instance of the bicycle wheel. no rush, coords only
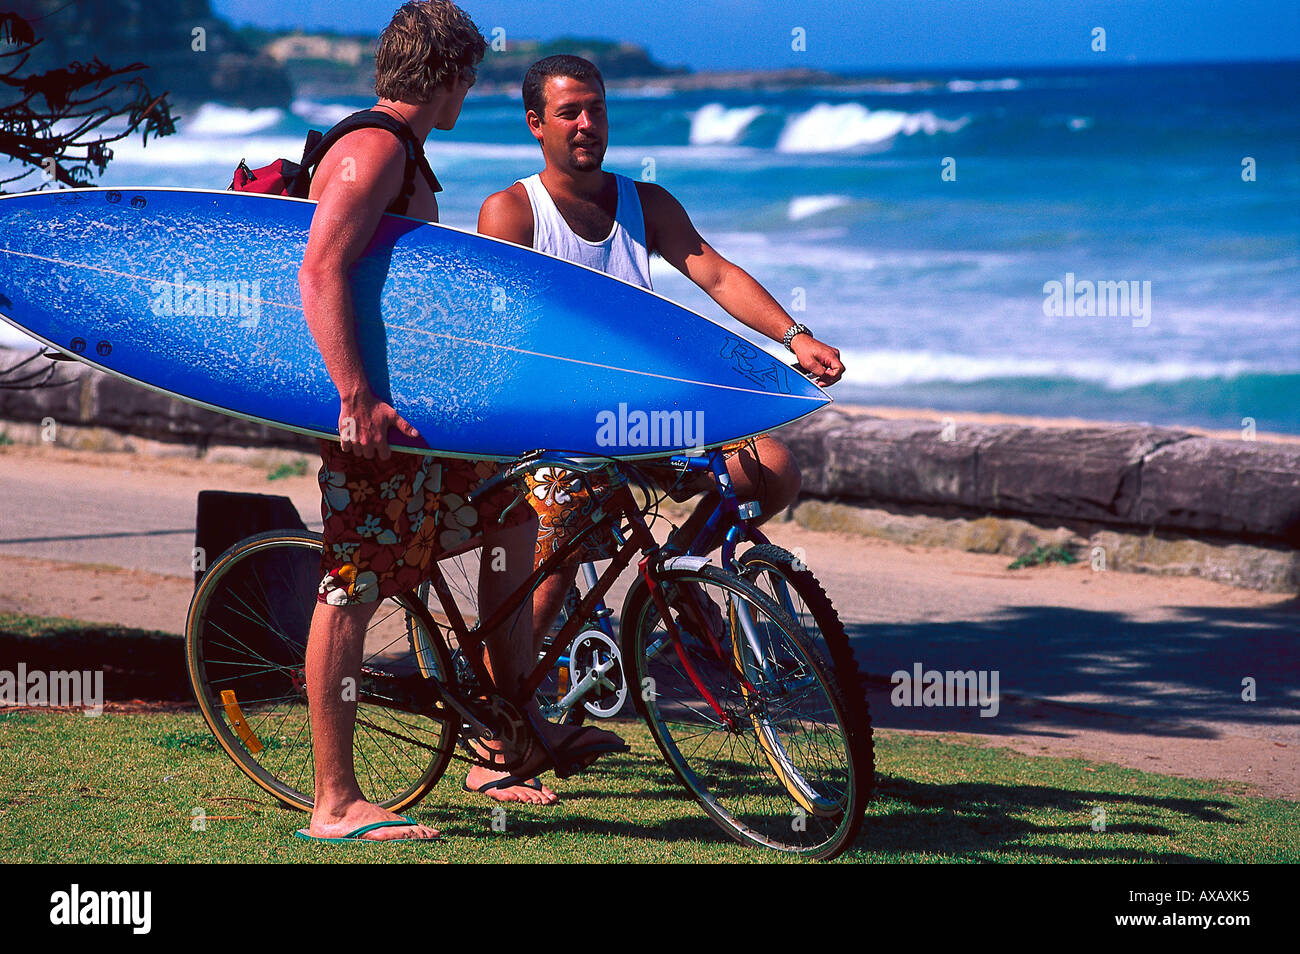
(748, 714)
(789, 582)
(246, 642)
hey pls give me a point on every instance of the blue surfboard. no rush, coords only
(488, 349)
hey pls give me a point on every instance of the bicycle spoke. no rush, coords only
(775, 770)
(248, 634)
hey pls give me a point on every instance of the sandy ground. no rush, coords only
(1136, 670)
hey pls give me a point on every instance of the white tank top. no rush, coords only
(623, 252)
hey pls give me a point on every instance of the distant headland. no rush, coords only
(198, 57)
(330, 65)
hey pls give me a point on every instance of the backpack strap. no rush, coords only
(317, 145)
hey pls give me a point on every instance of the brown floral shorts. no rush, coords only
(386, 521)
(564, 506)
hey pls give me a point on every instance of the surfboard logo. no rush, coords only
(746, 360)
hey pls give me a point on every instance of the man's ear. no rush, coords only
(534, 124)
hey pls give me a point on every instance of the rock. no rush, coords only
(1089, 473)
(1244, 488)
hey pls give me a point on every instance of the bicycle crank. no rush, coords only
(596, 668)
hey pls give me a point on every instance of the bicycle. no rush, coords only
(585, 684)
(745, 709)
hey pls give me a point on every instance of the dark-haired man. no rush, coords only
(575, 210)
(384, 513)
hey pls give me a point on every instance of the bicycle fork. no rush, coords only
(674, 634)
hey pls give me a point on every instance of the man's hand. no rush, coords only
(364, 421)
(818, 359)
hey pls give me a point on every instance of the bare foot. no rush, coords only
(343, 819)
(479, 776)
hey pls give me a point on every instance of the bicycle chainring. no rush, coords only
(504, 723)
(592, 652)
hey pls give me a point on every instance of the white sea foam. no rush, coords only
(649, 91)
(827, 128)
(896, 368)
(214, 119)
(716, 124)
(181, 150)
(806, 206)
(320, 114)
(758, 249)
(982, 86)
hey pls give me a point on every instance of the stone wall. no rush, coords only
(1154, 499)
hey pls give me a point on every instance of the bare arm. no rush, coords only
(508, 215)
(670, 232)
(348, 211)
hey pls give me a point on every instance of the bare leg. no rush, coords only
(334, 649)
(772, 478)
(549, 598)
(506, 562)
(512, 648)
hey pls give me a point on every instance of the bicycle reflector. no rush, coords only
(239, 723)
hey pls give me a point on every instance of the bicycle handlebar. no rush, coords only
(533, 460)
(581, 464)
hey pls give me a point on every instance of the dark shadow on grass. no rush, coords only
(1168, 677)
(960, 821)
(963, 821)
(137, 663)
(966, 820)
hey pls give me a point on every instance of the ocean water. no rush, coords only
(933, 287)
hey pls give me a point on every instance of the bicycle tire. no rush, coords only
(797, 706)
(246, 634)
(770, 566)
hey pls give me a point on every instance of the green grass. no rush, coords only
(5, 439)
(124, 788)
(1041, 555)
(297, 469)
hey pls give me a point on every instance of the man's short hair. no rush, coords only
(426, 45)
(562, 64)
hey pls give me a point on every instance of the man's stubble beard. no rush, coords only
(587, 165)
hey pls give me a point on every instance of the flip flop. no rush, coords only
(510, 781)
(572, 757)
(353, 837)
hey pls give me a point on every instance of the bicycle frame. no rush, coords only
(728, 509)
(471, 641)
(638, 537)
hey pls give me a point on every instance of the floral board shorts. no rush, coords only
(564, 507)
(386, 521)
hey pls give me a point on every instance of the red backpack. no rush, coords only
(284, 177)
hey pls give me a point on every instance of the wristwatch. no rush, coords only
(792, 331)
